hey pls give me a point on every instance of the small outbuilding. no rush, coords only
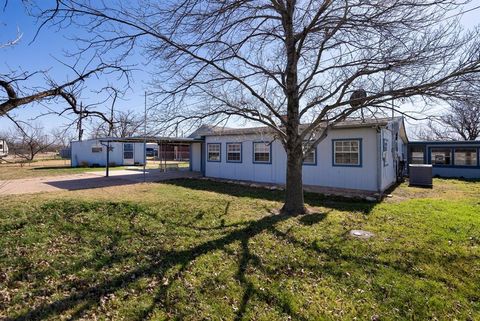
(133, 151)
(92, 152)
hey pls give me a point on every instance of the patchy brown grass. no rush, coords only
(199, 250)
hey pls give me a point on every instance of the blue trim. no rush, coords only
(253, 151)
(385, 150)
(465, 166)
(429, 157)
(220, 153)
(226, 152)
(475, 143)
(452, 152)
(360, 143)
(315, 158)
(424, 152)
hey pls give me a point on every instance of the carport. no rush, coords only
(195, 147)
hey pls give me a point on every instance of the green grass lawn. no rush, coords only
(198, 250)
(9, 172)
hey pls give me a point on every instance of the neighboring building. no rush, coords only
(3, 148)
(92, 152)
(364, 155)
(448, 158)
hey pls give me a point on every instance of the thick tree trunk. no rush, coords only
(294, 202)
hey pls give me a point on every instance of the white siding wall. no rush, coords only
(387, 164)
(82, 152)
(196, 157)
(321, 174)
(138, 153)
(389, 175)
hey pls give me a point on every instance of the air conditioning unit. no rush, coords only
(420, 175)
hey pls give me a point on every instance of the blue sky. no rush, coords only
(50, 44)
(41, 54)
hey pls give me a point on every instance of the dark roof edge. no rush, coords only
(370, 123)
(446, 142)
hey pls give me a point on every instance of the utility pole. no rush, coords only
(110, 127)
(145, 140)
(80, 129)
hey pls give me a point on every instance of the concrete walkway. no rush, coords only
(88, 181)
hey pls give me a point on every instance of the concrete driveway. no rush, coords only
(88, 181)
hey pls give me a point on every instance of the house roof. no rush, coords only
(207, 130)
(351, 123)
(147, 139)
(445, 142)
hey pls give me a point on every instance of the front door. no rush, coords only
(128, 154)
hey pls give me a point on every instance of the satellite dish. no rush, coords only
(358, 97)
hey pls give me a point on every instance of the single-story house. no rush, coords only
(361, 155)
(128, 151)
(448, 158)
(92, 152)
(365, 155)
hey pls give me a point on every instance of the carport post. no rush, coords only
(145, 140)
(107, 168)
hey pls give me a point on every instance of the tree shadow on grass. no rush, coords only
(312, 199)
(160, 262)
(56, 167)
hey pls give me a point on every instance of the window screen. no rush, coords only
(213, 152)
(347, 152)
(261, 153)
(234, 152)
(441, 156)
(465, 156)
(416, 155)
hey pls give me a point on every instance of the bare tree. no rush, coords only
(27, 141)
(316, 62)
(20, 88)
(123, 124)
(17, 94)
(12, 42)
(463, 120)
(63, 137)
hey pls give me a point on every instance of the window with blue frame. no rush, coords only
(346, 152)
(441, 156)
(234, 152)
(465, 157)
(261, 152)
(417, 155)
(213, 152)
